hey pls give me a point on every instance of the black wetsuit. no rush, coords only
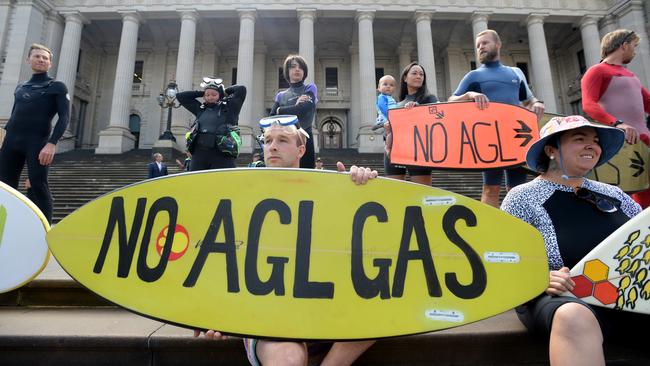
(29, 129)
(213, 120)
(285, 103)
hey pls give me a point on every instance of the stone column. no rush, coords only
(245, 60)
(5, 10)
(456, 62)
(53, 39)
(404, 51)
(590, 39)
(608, 24)
(367, 111)
(479, 24)
(259, 89)
(67, 68)
(184, 75)
(543, 80)
(426, 57)
(306, 40)
(631, 16)
(27, 20)
(117, 137)
(354, 118)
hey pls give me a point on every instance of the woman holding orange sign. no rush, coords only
(413, 92)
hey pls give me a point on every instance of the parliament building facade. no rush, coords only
(117, 56)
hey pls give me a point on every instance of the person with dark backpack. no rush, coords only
(214, 140)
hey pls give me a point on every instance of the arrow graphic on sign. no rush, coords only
(523, 133)
(637, 164)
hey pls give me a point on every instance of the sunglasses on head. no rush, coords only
(603, 204)
(627, 38)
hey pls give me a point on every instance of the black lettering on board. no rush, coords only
(479, 277)
(222, 218)
(116, 218)
(275, 283)
(302, 287)
(364, 286)
(163, 204)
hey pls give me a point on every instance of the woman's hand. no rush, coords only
(410, 105)
(389, 138)
(560, 282)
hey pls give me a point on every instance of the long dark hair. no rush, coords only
(403, 90)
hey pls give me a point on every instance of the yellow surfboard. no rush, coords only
(302, 254)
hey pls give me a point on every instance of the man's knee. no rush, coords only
(282, 353)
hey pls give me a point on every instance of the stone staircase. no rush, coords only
(55, 321)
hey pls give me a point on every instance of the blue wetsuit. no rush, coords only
(503, 84)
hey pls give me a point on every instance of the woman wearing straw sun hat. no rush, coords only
(573, 214)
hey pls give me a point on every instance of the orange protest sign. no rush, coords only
(461, 136)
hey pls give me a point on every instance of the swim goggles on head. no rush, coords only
(287, 120)
(212, 83)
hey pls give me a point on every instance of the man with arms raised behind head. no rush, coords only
(283, 148)
(496, 82)
(613, 95)
(30, 138)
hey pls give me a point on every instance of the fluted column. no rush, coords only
(608, 24)
(426, 57)
(117, 138)
(26, 28)
(543, 80)
(631, 15)
(184, 70)
(53, 38)
(366, 67)
(67, 67)
(354, 118)
(245, 61)
(590, 39)
(5, 11)
(258, 93)
(306, 40)
(479, 24)
(404, 51)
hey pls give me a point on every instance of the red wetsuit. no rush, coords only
(612, 92)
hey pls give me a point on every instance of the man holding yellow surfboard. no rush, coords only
(284, 145)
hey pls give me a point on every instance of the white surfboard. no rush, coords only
(615, 273)
(23, 248)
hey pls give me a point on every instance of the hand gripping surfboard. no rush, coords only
(300, 254)
(615, 273)
(23, 250)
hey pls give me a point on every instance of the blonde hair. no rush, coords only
(384, 78)
(37, 46)
(615, 39)
(494, 34)
(291, 131)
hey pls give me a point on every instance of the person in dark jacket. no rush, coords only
(211, 142)
(299, 100)
(157, 168)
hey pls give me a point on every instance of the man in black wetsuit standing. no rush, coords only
(30, 138)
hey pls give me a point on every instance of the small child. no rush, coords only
(385, 100)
